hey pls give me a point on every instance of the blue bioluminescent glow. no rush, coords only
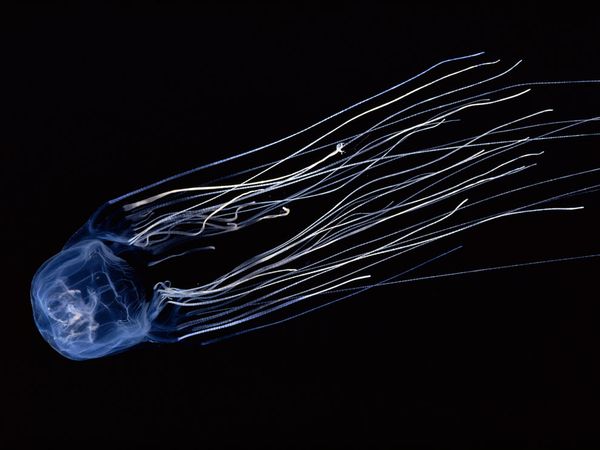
(424, 160)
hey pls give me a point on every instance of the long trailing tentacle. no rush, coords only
(376, 180)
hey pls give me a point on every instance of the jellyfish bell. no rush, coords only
(88, 303)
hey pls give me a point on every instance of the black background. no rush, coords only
(108, 101)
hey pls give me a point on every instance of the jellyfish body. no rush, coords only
(384, 194)
(87, 302)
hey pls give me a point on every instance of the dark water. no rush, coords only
(106, 103)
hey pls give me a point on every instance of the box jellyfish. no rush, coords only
(384, 177)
